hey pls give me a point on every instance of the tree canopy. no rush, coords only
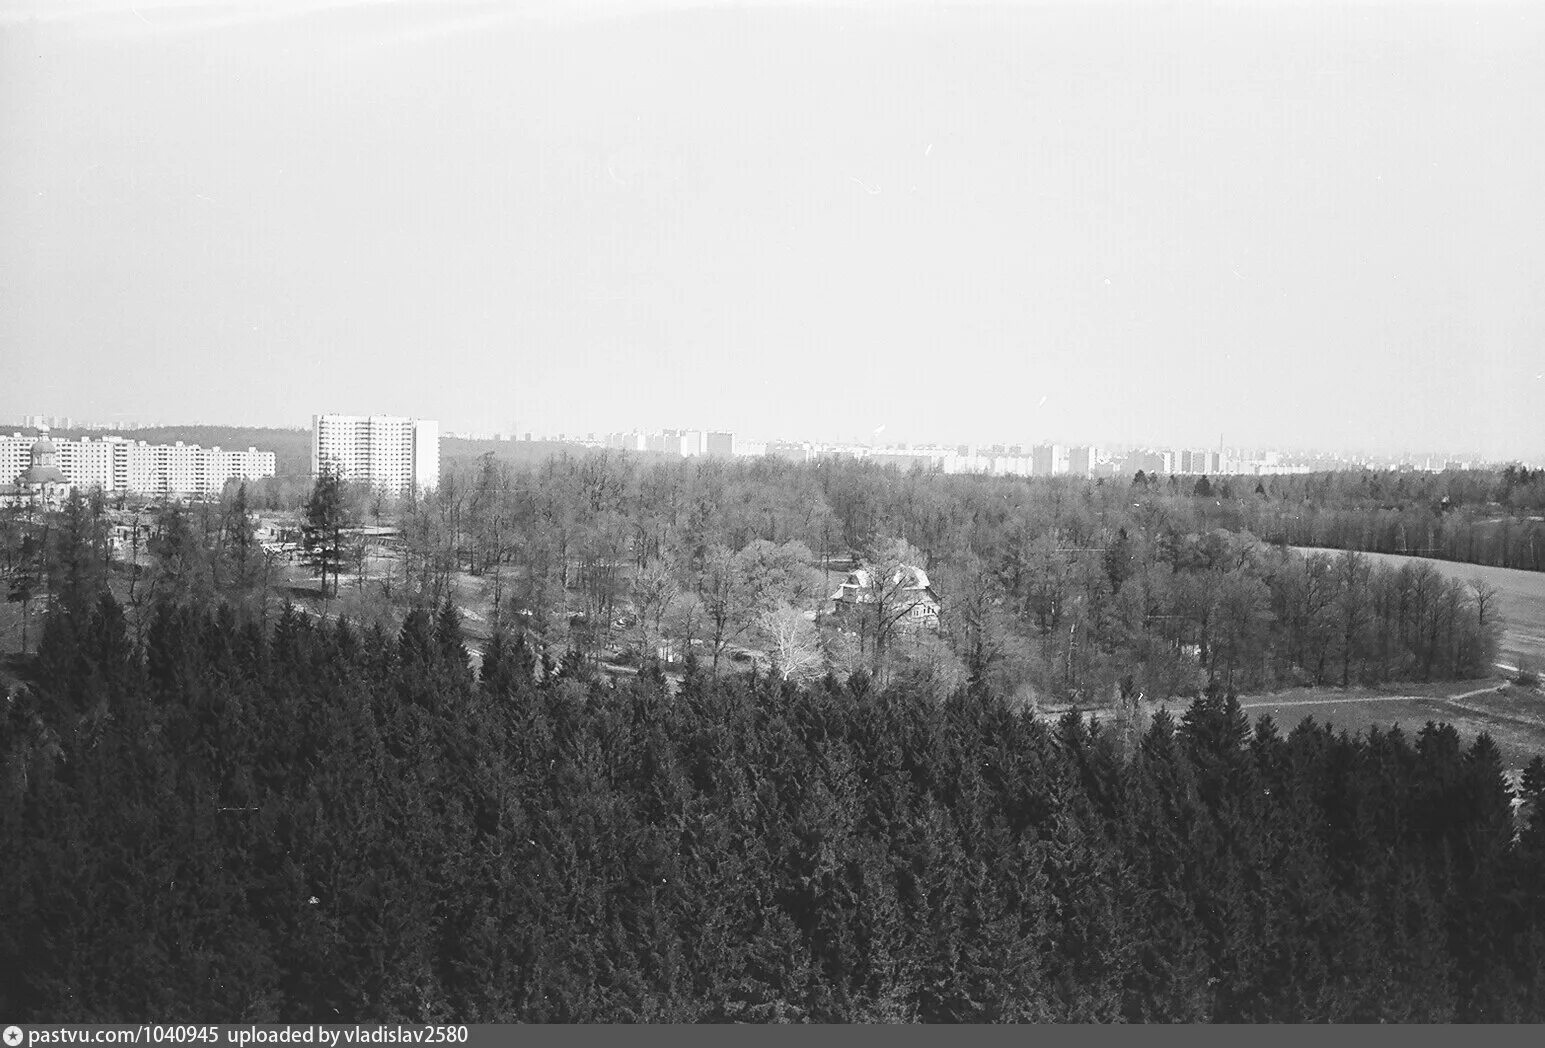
(318, 823)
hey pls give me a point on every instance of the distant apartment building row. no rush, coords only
(1197, 462)
(1012, 460)
(1040, 460)
(689, 443)
(390, 453)
(115, 464)
(44, 422)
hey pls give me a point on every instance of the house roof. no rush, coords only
(43, 475)
(860, 577)
(859, 580)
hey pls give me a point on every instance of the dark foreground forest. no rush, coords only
(332, 825)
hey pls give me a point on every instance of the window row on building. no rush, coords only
(389, 453)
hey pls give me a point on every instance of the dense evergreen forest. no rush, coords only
(217, 807)
(322, 823)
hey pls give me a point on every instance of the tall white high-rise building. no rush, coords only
(387, 452)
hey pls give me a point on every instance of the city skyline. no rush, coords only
(1302, 225)
(646, 439)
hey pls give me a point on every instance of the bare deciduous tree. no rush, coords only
(792, 642)
(654, 590)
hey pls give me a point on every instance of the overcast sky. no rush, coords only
(1281, 224)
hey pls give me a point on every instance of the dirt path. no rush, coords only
(1264, 703)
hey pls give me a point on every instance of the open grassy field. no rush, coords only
(1521, 603)
(1514, 716)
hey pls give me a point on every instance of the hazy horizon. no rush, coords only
(1303, 225)
(97, 428)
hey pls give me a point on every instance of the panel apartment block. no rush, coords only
(115, 464)
(388, 452)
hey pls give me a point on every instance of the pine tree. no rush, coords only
(327, 515)
(452, 651)
(77, 556)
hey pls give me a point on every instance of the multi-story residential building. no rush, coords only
(665, 441)
(117, 465)
(685, 442)
(388, 452)
(630, 441)
(89, 463)
(15, 456)
(1081, 461)
(911, 458)
(1150, 462)
(1196, 460)
(250, 463)
(1048, 459)
(183, 466)
(790, 450)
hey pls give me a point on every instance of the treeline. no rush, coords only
(1068, 592)
(60, 560)
(1075, 591)
(1515, 489)
(1490, 517)
(1466, 536)
(316, 823)
(1494, 518)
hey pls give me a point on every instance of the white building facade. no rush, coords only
(388, 452)
(118, 465)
